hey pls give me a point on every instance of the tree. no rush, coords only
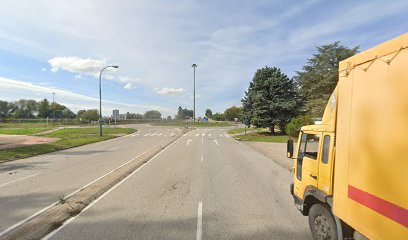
(208, 113)
(91, 114)
(184, 113)
(152, 114)
(292, 128)
(319, 76)
(44, 109)
(134, 116)
(271, 99)
(5, 109)
(218, 117)
(231, 113)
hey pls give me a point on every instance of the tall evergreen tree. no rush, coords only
(319, 76)
(271, 99)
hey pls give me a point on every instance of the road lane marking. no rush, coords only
(51, 234)
(216, 142)
(202, 157)
(199, 221)
(209, 134)
(188, 141)
(69, 195)
(160, 134)
(154, 134)
(221, 135)
(17, 180)
(197, 135)
(171, 135)
(147, 135)
(203, 134)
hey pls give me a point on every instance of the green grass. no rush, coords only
(69, 137)
(263, 137)
(22, 131)
(240, 130)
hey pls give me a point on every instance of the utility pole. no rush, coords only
(194, 111)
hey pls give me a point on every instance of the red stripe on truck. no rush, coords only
(381, 206)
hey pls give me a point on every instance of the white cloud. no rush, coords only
(91, 67)
(170, 91)
(43, 69)
(76, 64)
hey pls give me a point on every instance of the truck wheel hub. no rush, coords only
(322, 227)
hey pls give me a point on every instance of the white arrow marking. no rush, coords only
(188, 141)
(216, 142)
(202, 157)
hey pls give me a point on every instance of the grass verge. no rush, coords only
(240, 130)
(263, 137)
(22, 131)
(69, 137)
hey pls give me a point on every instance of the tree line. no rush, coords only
(275, 100)
(26, 109)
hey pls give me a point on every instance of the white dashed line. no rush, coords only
(216, 142)
(199, 221)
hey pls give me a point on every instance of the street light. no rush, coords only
(100, 98)
(194, 67)
(53, 103)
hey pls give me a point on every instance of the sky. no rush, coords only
(60, 46)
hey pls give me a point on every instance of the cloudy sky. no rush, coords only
(59, 46)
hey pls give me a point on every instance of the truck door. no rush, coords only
(326, 164)
(307, 166)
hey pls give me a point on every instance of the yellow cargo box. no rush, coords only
(370, 190)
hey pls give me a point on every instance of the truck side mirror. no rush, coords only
(290, 148)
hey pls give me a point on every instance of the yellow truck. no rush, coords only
(351, 171)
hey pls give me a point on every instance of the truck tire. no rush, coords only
(322, 223)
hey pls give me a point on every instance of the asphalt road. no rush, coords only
(204, 186)
(37, 182)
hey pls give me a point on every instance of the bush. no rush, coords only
(292, 128)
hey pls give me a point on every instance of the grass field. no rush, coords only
(22, 131)
(263, 135)
(240, 130)
(69, 137)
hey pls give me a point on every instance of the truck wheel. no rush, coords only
(322, 224)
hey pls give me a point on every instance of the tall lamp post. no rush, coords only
(194, 67)
(100, 97)
(53, 103)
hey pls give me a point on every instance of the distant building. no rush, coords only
(115, 114)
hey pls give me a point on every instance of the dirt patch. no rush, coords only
(274, 151)
(13, 141)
